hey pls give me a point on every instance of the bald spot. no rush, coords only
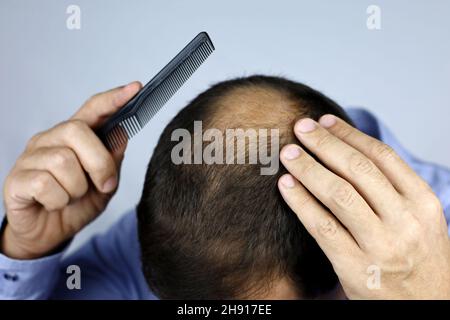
(256, 107)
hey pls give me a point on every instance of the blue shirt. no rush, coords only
(110, 263)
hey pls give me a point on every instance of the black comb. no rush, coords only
(148, 101)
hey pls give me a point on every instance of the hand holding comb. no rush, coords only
(124, 124)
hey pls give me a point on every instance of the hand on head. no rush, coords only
(379, 217)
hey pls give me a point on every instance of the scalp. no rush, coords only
(255, 106)
(223, 231)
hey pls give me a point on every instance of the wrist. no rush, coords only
(15, 247)
(11, 247)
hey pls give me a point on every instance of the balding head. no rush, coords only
(215, 231)
(254, 106)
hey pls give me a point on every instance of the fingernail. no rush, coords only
(327, 121)
(287, 181)
(291, 152)
(305, 125)
(110, 184)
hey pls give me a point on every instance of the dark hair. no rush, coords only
(223, 231)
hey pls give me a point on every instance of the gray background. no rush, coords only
(401, 72)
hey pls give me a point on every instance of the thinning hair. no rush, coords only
(222, 231)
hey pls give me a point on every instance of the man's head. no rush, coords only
(222, 231)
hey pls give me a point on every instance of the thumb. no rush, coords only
(102, 105)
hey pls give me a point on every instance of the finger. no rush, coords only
(351, 165)
(102, 105)
(402, 177)
(335, 241)
(63, 164)
(30, 186)
(335, 193)
(93, 155)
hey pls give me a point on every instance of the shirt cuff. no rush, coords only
(28, 279)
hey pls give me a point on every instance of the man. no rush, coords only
(222, 230)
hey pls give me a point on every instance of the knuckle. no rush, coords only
(73, 127)
(327, 228)
(308, 167)
(359, 164)
(83, 189)
(63, 157)
(23, 158)
(343, 195)
(103, 167)
(304, 201)
(345, 132)
(96, 100)
(80, 190)
(41, 183)
(433, 204)
(409, 236)
(32, 142)
(413, 232)
(382, 151)
(324, 140)
(425, 205)
(92, 100)
(7, 186)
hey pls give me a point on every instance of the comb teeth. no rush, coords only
(173, 82)
(122, 132)
(160, 89)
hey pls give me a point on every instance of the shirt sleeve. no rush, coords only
(28, 279)
(108, 265)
